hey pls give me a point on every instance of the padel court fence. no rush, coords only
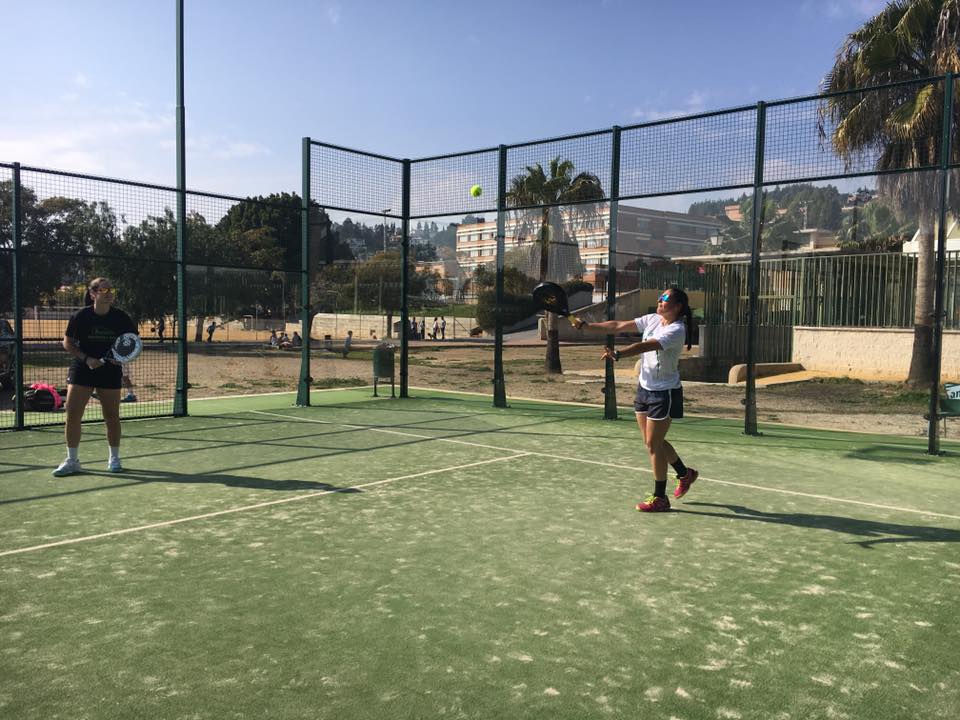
(589, 210)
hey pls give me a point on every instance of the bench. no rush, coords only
(949, 406)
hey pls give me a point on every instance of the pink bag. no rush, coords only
(57, 400)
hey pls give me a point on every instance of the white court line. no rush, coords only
(553, 456)
(256, 506)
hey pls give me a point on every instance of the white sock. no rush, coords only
(73, 453)
(114, 452)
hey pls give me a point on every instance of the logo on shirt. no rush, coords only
(99, 333)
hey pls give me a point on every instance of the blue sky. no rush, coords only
(93, 88)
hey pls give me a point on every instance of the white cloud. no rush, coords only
(333, 14)
(840, 9)
(81, 81)
(235, 150)
(695, 102)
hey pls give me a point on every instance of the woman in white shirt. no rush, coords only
(659, 398)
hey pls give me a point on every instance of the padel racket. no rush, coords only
(551, 297)
(124, 349)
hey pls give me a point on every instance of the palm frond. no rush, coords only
(914, 114)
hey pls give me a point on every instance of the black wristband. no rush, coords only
(616, 355)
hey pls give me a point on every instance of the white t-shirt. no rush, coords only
(659, 369)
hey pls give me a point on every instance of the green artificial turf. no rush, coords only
(436, 557)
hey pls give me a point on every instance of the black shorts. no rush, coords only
(107, 376)
(659, 404)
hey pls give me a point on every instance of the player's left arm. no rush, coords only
(129, 326)
(631, 350)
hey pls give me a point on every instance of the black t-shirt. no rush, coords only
(94, 334)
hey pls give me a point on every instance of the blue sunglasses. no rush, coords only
(664, 298)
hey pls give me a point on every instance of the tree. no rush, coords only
(279, 215)
(56, 236)
(537, 194)
(145, 289)
(779, 229)
(907, 40)
(874, 226)
(372, 286)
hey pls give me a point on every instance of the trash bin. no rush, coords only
(383, 366)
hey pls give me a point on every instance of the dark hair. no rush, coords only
(678, 295)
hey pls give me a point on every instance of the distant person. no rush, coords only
(161, 328)
(126, 383)
(296, 340)
(348, 341)
(274, 340)
(443, 328)
(210, 328)
(423, 328)
(413, 328)
(436, 328)
(89, 335)
(284, 341)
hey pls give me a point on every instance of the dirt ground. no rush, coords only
(835, 403)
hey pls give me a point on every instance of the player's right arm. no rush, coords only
(608, 326)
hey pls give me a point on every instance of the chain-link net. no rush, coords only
(352, 180)
(848, 219)
(885, 129)
(7, 325)
(243, 294)
(79, 215)
(75, 228)
(557, 172)
(243, 332)
(8, 340)
(447, 348)
(686, 155)
(355, 269)
(253, 232)
(456, 184)
(566, 245)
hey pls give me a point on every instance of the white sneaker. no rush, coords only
(67, 467)
(113, 465)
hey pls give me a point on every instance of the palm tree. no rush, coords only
(907, 40)
(537, 196)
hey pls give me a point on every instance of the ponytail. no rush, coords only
(678, 295)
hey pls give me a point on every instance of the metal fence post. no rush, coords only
(180, 396)
(404, 284)
(303, 387)
(933, 439)
(499, 385)
(750, 401)
(609, 376)
(17, 226)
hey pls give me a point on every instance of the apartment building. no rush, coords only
(641, 232)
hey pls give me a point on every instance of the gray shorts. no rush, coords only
(659, 404)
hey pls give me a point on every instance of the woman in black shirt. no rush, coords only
(88, 338)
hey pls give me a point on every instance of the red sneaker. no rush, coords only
(684, 483)
(654, 504)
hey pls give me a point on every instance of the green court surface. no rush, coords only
(437, 557)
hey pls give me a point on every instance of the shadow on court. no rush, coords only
(879, 532)
(143, 477)
(148, 476)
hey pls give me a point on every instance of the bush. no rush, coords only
(515, 308)
(574, 286)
